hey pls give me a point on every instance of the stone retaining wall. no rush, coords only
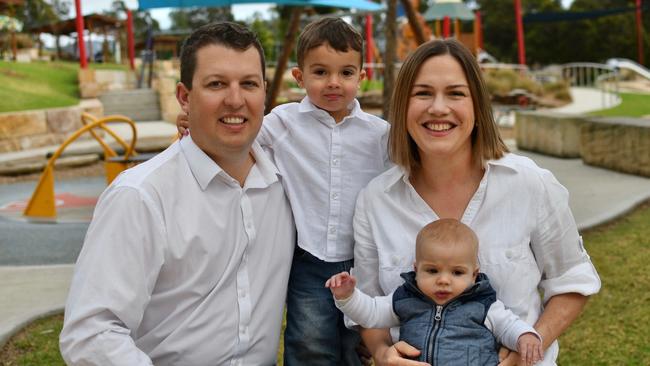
(43, 127)
(621, 144)
(549, 133)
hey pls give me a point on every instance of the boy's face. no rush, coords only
(331, 78)
(226, 104)
(444, 270)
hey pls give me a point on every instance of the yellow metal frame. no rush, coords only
(42, 203)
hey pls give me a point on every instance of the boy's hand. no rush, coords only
(529, 346)
(341, 285)
(182, 124)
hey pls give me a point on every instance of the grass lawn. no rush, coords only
(613, 330)
(38, 85)
(632, 105)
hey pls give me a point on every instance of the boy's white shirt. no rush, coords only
(324, 165)
(377, 312)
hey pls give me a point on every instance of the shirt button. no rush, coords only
(335, 196)
(335, 162)
(332, 230)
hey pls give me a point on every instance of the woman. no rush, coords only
(451, 163)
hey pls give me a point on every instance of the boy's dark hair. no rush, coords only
(227, 34)
(335, 32)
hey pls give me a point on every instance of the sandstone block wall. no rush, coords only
(621, 144)
(45, 127)
(548, 133)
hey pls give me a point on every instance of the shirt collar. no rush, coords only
(204, 169)
(398, 173)
(306, 106)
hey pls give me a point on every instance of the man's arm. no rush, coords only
(113, 281)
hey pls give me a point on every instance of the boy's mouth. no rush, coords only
(333, 97)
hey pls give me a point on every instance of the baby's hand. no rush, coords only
(341, 285)
(182, 124)
(529, 347)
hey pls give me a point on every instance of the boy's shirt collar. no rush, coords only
(306, 106)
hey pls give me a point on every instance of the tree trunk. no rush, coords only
(414, 22)
(281, 65)
(389, 54)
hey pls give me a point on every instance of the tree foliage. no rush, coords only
(592, 40)
(192, 18)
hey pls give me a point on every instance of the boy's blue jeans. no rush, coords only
(315, 334)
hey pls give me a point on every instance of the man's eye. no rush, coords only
(214, 84)
(250, 84)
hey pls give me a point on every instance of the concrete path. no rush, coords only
(587, 100)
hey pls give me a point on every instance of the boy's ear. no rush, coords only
(362, 75)
(297, 74)
(183, 97)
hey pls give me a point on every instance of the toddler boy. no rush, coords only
(445, 308)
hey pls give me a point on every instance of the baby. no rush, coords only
(445, 308)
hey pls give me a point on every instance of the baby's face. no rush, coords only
(444, 271)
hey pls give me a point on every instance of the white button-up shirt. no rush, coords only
(324, 165)
(528, 240)
(182, 266)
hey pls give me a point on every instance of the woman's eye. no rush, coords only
(421, 93)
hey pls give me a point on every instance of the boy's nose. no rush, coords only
(333, 81)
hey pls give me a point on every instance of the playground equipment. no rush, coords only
(623, 63)
(42, 202)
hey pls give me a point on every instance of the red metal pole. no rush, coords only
(479, 30)
(446, 27)
(520, 33)
(129, 38)
(80, 35)
(639, 32)
(369, 45)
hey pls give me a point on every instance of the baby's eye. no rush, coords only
(458, 273)
(432, 270)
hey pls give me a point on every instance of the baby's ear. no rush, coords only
(475, 274)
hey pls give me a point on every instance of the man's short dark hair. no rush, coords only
(335, 32)
(227, 34)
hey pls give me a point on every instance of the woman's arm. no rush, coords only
(385, 353)
(560, 312)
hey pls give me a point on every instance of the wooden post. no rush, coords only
(389, 55)
(281, 66)
(639, 33)
(414, 22)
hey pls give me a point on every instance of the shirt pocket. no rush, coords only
(390, 268)
(504, 250)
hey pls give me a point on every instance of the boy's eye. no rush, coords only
(319, 72)
(348, 73)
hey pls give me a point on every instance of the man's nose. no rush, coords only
(234, 98)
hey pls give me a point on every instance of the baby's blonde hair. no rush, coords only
(446, 231)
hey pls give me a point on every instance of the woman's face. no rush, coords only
(440, 116)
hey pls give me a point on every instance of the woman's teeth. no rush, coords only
(438, 126)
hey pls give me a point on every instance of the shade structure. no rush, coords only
(450, 8)
(363, 5)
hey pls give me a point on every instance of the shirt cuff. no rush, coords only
(581, 279)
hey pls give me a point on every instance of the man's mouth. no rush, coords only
(233, 120)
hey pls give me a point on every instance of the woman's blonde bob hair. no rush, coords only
(486, 141)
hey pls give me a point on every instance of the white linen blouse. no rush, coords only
(528, 240)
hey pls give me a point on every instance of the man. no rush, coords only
(187, 258)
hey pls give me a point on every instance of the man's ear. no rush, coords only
(183, 97)
(297, 74)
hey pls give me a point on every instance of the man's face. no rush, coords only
(226, 104)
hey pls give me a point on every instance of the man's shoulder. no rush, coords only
(148, 174)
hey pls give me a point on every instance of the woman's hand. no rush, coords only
(509, 358)
(182, 124)
(396, 355)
